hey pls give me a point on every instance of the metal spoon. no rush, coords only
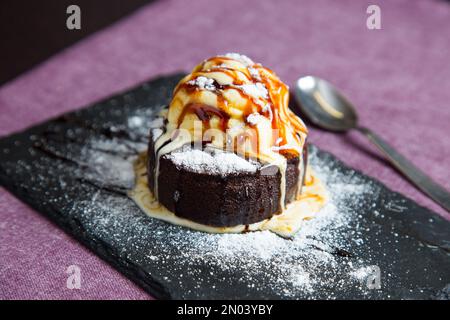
(327, 108)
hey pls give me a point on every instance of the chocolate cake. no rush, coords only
(222, 199)
(228, 151)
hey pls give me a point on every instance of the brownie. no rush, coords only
(238, 198)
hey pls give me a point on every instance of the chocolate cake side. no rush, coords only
(238, 198)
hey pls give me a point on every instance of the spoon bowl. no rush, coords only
(324, 106)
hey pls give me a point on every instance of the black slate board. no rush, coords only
(57, 169)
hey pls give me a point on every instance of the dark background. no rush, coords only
(31, 31)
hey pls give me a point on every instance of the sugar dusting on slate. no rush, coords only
(306, 263)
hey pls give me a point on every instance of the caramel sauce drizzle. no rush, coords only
(282, 117)
(204, 113)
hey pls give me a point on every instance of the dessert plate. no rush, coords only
(368, 242)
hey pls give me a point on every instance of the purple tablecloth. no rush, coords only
(398, 77)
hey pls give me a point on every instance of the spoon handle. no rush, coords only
(414, 174)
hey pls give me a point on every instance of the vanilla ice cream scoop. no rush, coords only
(231, 103)
(230, 94)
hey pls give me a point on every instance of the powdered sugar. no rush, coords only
(254, 73)
(211, 161)
(254, 118)
(361, 273)
(135, 121)
(241, 58)
(255, 90)
(203, 83)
